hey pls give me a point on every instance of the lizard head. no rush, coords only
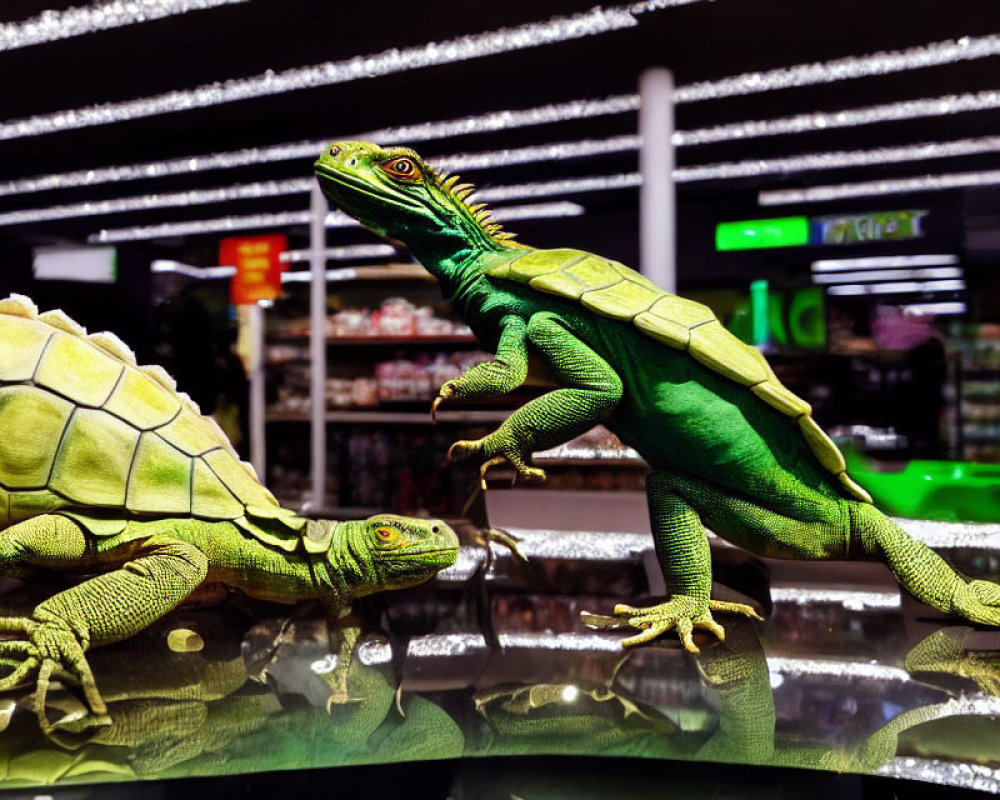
(391, 552)
(395, 193)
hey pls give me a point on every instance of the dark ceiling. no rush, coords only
(700, 41)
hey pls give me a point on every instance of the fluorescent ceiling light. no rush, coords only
(504, 40)
(934, 308)
(52, 25)
(884, 262)
(510, 119)
(885, 275)
(256, 191)
(935, 54)
(150, 202)
(201, 273)
(305, 275)
(289, 218)
(290, 151)
(924, 183)
(846, 118)
(902, 287)
(341, 253)
(840, 159)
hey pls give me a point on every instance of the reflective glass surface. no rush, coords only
(493, 659)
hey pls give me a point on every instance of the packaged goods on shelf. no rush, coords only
(395, 318)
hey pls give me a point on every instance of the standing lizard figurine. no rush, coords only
(728, 445)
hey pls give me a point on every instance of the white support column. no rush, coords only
(258, 451)
(657, 200)
(317, 342)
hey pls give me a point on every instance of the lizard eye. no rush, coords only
(385, 534)
(334, 151)
(402, 168)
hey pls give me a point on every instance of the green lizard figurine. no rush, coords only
(106, 468)
(728, 445)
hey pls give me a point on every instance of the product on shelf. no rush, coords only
(396, 318)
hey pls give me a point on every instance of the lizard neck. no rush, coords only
(456, 260)
(345, 569)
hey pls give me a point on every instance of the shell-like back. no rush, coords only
(85, 430)
(613, 290)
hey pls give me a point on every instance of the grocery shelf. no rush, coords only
(379, 341)
(380, 417)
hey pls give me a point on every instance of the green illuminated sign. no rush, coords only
(760, 233)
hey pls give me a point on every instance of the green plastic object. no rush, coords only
(939, 490)
(755, 234)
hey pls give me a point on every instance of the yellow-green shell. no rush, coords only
(617, 292)
(86, 431)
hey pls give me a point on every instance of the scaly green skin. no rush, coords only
(728, 445)
(105, 467)
(151, 567)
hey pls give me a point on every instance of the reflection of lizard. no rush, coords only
(106, 468)
(729, 446)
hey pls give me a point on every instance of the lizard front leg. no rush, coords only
(492, 378)
(104, 609)
(591, 390)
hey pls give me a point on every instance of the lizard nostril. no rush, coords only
(435, 529)
(353, 161)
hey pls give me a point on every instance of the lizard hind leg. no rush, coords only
(682, 550)
(921, 571)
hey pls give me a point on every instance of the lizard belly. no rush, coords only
(683, 417)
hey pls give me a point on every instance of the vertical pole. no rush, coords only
(317, 342)
(657, 201)
(258, 453)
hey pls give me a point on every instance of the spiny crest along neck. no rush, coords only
(476, 216)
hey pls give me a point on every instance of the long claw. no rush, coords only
(496, 461)
(463, 448)
(19, 674)
(435, 406)
(507, 540)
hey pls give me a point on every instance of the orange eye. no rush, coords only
(402, 168)
(385, 534)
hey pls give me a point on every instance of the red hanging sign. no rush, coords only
(258, 266)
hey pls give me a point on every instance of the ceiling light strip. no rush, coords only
(924, 183)
(150, 202)
(201, 273)
(260, 190)
(838, 160)
(885, 262)
(935, 54)
(505, 40)
(52, 25)
(555, 30)
(901, 287)
(848, 118)
(341, 253)
(887, 275)
(541, 115)
(291, 218)
(290, 151)
(934, 308)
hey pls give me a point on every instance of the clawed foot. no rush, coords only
(447, 391)
(680, 613)
(47, 649)
(978, 601)
(499, 455)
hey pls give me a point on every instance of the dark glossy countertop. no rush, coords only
(843, 675)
